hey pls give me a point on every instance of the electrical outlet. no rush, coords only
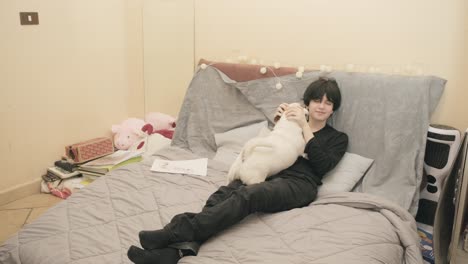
(29, 18)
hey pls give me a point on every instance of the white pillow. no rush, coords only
(345, 175)
(230, 143)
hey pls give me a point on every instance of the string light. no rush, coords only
(326, 68)
(349, 67)
(242, 58)
(407, 69)
(278, 85)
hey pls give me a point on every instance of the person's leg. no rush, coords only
(157, 238)
(277, 194)
(222, 193)
(154, 241)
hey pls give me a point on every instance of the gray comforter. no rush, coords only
(100, 222)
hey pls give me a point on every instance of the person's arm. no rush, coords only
(279, 111)
(307, 132)
(324, 155)
(297, 114)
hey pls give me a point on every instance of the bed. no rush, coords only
(385, 116)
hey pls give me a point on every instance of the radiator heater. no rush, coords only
(442, 145)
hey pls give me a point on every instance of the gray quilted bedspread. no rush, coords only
(99, 223)
(386, 118)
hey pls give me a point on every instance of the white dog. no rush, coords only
(262, 157)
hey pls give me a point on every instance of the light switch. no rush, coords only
(29, 18)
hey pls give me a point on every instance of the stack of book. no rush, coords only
(66, 164)
(99, 167)
(57, 173)
(62, 179)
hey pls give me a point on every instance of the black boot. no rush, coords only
(155, 256)
(154, 239)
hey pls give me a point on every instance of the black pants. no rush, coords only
(231, 203)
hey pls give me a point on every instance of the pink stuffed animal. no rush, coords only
(128, 132)
(160, 121)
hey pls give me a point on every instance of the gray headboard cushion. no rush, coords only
(385, 116)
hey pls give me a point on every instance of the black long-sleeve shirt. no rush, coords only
(323, 152)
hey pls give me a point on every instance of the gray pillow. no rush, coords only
(345, 175)
(230, 143)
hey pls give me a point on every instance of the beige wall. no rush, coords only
(84, 67)
(168, 34)
(425, 34)
(66, 80)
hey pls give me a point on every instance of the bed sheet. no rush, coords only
(99, 223)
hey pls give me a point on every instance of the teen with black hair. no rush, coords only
(291, 188)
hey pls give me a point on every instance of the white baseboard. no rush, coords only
(20, 191)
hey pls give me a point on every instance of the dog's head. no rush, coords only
(306, 112)
(295, 104)
(283, 123)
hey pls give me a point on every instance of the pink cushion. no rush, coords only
(247, 72)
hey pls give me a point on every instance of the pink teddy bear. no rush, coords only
(128, 132)
(133, 130)
(160, 123)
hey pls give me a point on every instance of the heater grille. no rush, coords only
(437, 154)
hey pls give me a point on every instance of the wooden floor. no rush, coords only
(18, 213)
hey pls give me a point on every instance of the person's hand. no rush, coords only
(279, 111)
(296, 114)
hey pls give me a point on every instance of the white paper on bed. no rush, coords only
(194, 167)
